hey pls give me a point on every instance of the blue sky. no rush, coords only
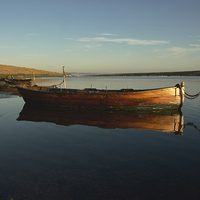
(101, 36)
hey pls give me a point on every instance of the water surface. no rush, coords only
(49, 154)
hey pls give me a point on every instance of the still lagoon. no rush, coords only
(64, 154)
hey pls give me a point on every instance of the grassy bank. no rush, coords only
(24, 71)
(30, 75)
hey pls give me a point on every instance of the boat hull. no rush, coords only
(124, 99)
(18, 81)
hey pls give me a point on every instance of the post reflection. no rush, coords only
(162, 121)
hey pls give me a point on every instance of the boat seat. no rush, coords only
(62, 90)
(91, 90)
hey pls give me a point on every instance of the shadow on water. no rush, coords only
(163, 121)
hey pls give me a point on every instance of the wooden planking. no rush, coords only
(159, 97)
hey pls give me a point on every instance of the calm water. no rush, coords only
(48, 154)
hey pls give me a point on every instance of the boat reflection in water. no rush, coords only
(163, 121)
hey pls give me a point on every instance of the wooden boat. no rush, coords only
(162, 121)
(2, 79)
(18, 80)
(91, 98)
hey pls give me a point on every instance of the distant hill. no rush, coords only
(182, 73)
(13, 70)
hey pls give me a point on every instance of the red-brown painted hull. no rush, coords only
(167, 98)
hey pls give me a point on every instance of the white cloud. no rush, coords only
(93, 46)
(107, 34)
(129, 41)
(194, 45)
(175, 52)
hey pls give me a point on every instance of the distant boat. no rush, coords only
(162, 121)
(9, 89)
(2, 79)
(17, 80)
(91, 98)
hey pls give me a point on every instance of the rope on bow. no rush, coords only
(191, 124)
(58, 84)
(188, 96)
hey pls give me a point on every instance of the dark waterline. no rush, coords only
(50, 160)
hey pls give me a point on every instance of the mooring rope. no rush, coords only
(191, 124)
(188, 96)
(57, 84)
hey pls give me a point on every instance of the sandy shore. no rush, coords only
(12, 70)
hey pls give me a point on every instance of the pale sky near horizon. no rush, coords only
(101, 36)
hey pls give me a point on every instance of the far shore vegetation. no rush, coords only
(29, 75)
(182, 73)
(8, 70)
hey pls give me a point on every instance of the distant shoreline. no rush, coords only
(182, 73)
(24, 71)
